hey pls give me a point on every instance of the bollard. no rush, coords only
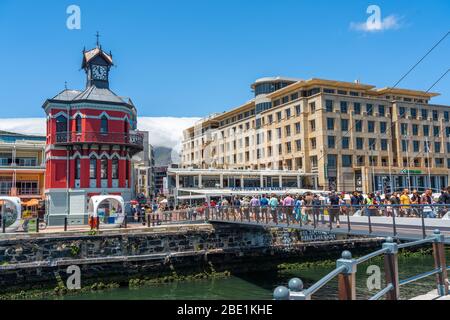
(65, 223)
(424, 233)
(394, 226)
(440, 263)
(125, 221)
(3, 223)
(391, 268)
(347, 278)
(97, 220)
(37, 225)
(148, 220)
(369, 214)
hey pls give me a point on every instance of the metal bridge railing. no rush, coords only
(346, 268)
(331, 217)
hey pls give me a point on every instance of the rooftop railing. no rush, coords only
(130, 139)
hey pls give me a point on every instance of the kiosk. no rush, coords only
(109, 209)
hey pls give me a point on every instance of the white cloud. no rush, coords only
(163, 131)
(391, 22)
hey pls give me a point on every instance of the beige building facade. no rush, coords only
(353, 135)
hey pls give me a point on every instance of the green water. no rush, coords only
(260, 285)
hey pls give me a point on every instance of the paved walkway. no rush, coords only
(431, 296)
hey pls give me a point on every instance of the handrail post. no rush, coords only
(391, 268)
(347, 278)
(440, 263)
(424, 233)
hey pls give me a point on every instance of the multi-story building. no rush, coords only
(143, 163)
(22, 166)
(91, 138)
(160, 179)
(353, 135)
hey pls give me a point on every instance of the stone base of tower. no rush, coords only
(73, 204)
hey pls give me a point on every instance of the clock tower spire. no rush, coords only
(97, 64)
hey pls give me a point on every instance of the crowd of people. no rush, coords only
(306, 208)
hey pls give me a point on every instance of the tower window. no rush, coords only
(115, 167)
(93, 167)
(77, 168)
(78, 123)
(61, 124)
(104, 167)
(104, 124)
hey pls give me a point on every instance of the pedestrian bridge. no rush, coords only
(402, 228)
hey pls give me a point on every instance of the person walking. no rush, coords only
(334, 209)
(405, 201)
(255, 205)
(273, 203)
(427, 201)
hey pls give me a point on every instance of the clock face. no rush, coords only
(99, 72)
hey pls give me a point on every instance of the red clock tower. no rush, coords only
(91, 137)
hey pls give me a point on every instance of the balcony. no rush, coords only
(134, 140)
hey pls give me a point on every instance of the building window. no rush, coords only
(345, 142)
(312, 125)
(297, 128)
(61, 124)
(344, 108)
(437, 147)
(78, 123)
(358, 126)
(288, 131)
(371, 126)
(357, 108)
(329, 105)
(372, 144)
(426, 130)
(424, 114)
(93, 168)
(369, 109)
(330, 123)
(279, 116)
(402, 112)
(416, 147)
(383, 127)
(297, 110)
(104, 167)
(115, 167)
(405, 145)
(415, 130)
(346, 161)
(288, 147)
(104, 124)
(404, 129)
(381, 110)
(313, 143)
(384, 144)
(344, 124)
(435, 115)
(312, 107)
(359, 143)
(413, 112)
(436, 131)
(332, 161)
(331, 142)
(288, 113)
(446, 116)
(77, 168)
(298, 145)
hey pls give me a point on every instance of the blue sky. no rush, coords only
(192, 58)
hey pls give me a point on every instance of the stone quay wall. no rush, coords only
(29, 261)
